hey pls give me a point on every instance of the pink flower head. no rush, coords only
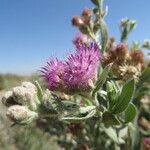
(81, 67)
(52, 73)
(81, 39)
(74, 74)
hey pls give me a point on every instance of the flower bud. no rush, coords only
(84, 147)
(77, 21)
(29, 86)
(26, 95)
(81, 39)
(124, 21)
(8, 99)
(87, 12)
(21, 114)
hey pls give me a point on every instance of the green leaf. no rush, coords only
(124, 98)
(76, 119)
(146, 44)
(110, 119)
(132, 25)
(102, 78)
(87, 109)
(104, 34)
(123, 132)
(130, 113)
(113, 135)
(39, 90)
(70, 106)
(96, 2)
(112, 94)
(101, 100)
(145, 74)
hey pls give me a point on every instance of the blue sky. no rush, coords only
(33, 30)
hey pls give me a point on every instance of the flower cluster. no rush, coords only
(126, 64)
(76, 73)
(22, 103)
(83, 21)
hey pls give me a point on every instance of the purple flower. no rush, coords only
(52, 73)
(81, 39)
(81, 67)
(74, 74)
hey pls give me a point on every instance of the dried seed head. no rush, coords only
(129, 72)
(107, 59)
(121, 50)
(137, 57)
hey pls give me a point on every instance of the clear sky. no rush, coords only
(33, 30)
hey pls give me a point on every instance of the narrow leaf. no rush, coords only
(39, 90)
(74, 119)
(104, 34)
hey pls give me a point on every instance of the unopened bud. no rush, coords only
(81, 39)
(8, 99)
(29, 86)
(124, 21)
(77, 21)
(87, 13)
(21, 114)
(26, 96)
